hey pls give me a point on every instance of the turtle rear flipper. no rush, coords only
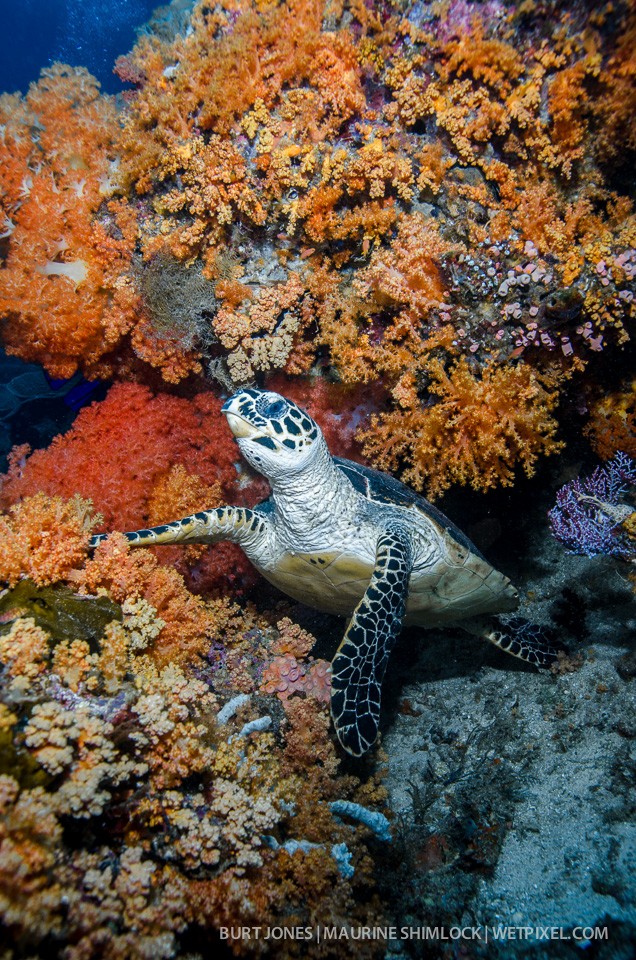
(358, 667)
(521, 638)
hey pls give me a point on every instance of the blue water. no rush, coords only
(35, 33)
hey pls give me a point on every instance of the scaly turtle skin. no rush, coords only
(350, 540)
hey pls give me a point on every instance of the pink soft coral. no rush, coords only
(285, 676)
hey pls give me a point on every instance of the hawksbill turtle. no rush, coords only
(350, 540)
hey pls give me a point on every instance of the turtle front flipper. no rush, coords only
(236, 524)
(521, 638)
(358, 667)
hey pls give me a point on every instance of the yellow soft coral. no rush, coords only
(30, 834)
(77, 745)
(24, 651)
(261, 337)
(474, 430)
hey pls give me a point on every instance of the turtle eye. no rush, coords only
(275, 408)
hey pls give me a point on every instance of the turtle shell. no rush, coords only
(379, 487)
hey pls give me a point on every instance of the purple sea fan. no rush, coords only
(588, 515)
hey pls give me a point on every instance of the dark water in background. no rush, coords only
(86, 33)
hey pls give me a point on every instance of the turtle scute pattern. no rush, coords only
(523, 639)
(359, 665)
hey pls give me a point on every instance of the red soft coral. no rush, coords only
(120, 453)
(119, 449)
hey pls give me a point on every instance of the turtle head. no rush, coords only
(275, 436)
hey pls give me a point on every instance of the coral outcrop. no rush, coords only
(378, 191)
(193, 799)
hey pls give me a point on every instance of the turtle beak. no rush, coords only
(240, 427)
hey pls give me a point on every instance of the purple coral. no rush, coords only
(588, 515)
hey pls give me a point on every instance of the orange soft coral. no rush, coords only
(274, 47)
(486, 424)
(612, 425)
(292, 639)
(408, 273)
(402, 288)
(188, 624)
(44, 538)
(68, 286)
(24, 651)
(615, 103)
(64, 304)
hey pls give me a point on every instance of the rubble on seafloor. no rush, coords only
(513, 790)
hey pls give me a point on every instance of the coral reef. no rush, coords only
(378, 191)
(412, 218)
(191, 806)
